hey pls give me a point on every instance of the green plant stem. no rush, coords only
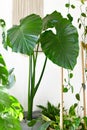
(34, 66)
(30, 99)
(37, 85)
(32, 89)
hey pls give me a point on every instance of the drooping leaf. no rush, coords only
(67, 5)
(80, 25)
(65, 90)
(71, 75)
(83, 14)
(70, 17)
(61, 48)
(23, 38)
(72, 108)
(73, 6)
(77, 96)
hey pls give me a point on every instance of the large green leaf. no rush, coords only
(50, 20)
(9, 123)
(61, 46)
(23, 38)
(3, 71)
(10, 112)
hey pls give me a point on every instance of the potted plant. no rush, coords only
(61, 46)
(50, 117)
(11, 111)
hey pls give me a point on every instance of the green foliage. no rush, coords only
(32, 122)
(60, 46)
(9, 123)
(83, 14)
(67, 5)
(77, 96)
(67, 82)
(73, 6)
(65, 89)
(71, 121)
(11, 111)
(3, 71)
(82, 1)
(50, 111)
(28, 32)
(72, 108)
(70, 17)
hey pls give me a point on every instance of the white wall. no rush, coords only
(51, 83)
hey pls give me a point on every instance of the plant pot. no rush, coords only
(35, 114)
(50, 128)
(24, 123)
(26, 127)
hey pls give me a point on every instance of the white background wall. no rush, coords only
(50, 86)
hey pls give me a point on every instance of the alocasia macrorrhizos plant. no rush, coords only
(60, 46)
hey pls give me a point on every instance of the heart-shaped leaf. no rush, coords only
(61, 47)
(23, 38)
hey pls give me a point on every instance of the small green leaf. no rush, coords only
(73, 6)
(32, 122)
(77, 96)
(80, 26)
(65, 90)
(71, 75)
(82, 1)
(78, 20)
(83, 14)
(72, 111)
(70, 17)
(67, 5)
(2, 23)
(75, 105)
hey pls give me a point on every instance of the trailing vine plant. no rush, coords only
(82, 20)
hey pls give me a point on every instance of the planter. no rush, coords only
(26, 127)
(24, 123)
(50, 128)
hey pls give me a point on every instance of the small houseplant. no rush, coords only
(61, 46)
(11, 111)
(72, 120)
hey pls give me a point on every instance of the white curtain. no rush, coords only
(21, 8)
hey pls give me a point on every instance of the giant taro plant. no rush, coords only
(58, 39)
